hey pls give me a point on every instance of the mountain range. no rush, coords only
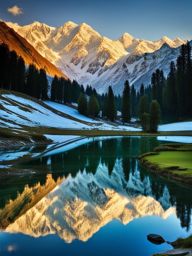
(86, 56)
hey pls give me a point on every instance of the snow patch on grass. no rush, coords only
(37, 115)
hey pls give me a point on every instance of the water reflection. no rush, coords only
(75, 193)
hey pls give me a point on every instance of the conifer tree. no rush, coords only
(188, 92)
(43, 83)
(133, 101)
(4, 66)
(143, 106)
(31, 80)
(20, 75)
(154, 116)
(13, 70)
(54, 86)
(111, 108)
(82, 104)
(171, 93)
(93, 106)
(126, 111)
(142, 90)
(145, 122)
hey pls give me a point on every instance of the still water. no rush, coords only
(93, 199)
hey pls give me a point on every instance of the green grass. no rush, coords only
(167, 159)
(180, 243)
(183, 242)
(171, 160)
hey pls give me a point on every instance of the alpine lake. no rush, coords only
(90, 198)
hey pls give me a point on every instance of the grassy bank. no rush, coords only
(173, 161)
(181, 243)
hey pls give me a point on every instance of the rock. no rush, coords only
(156, 239)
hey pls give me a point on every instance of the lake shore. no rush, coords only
(172, 161)
(181, 246)
(32, 136)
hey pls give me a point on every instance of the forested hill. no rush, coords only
(26, 50)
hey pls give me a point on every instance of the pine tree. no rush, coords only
(54, 85)
(126, 109)
(142, 90)
(157, 83)
(181, 82)
(104, 105)
(171, 92)
(145, 122)
(154, 116)
(133, 101)
(143, 106)
(4, 67)
(13, 70)
(43, 83)
(188, 91)
(21, 75)
(110, 106)
(93, 106)
(36, 85)
(154, 86)
(31, 80)
(82, 104)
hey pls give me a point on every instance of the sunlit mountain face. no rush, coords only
(75, 194)
(88, 57)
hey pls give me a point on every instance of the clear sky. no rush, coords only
(147, 19)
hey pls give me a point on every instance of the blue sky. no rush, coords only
(147, 19)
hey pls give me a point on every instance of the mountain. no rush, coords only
(90, 58)
(26, 50)
(80, 206)
(137, 69)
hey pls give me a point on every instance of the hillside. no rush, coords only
(26, 50)
(28, 118)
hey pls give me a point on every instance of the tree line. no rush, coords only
(172, 95)
(168, 98)
(165, 99)
(15, 76)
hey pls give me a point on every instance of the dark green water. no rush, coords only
(94, 199)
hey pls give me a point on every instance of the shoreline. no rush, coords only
(175, 173)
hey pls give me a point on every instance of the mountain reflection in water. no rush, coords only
(75, 193)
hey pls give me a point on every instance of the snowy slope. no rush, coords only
(17, 111)
(70, 111)
(90, 58)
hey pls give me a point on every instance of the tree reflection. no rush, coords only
(87, 158)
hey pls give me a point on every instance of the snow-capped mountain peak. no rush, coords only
(91, 58)
(126, 39)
